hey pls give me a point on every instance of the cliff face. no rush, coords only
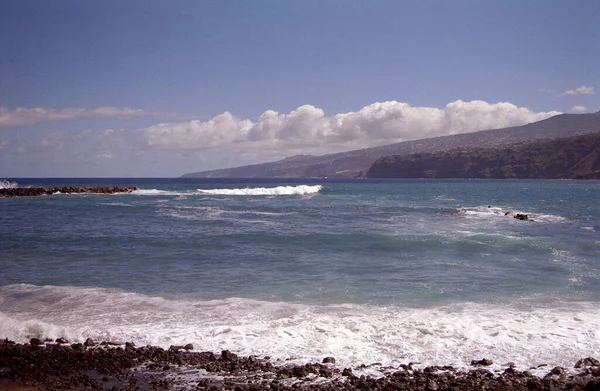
(575, 157)
(356, 163)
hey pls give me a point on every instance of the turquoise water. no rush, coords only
(263, 265)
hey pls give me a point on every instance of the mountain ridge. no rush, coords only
(574, 157)
(356, 163)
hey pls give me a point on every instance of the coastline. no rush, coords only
(61, 365)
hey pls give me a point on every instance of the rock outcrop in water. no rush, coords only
(38, 191)
(126, 367)
(575, 157)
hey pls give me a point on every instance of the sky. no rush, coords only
(104, 88)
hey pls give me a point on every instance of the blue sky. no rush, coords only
(137, 88)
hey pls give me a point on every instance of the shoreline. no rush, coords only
(61, 365)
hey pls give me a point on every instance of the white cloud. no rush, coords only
(53, 141)
(578, 109)
(23, 116)
(221, 130)
(108, 143)
(308, 130)
(82, 134)
(583, 90)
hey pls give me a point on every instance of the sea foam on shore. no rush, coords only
(526, 332)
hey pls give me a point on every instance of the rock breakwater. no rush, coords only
(38, 191)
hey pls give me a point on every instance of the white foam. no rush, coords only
(493, 212)
(157, 192)
(260, 191)
(527, 332)
(4, 184)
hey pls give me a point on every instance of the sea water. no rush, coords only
(427, 271)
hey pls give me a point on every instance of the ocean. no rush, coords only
(436, 272)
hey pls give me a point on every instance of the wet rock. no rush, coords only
(36, 342)
(587, 362)
(520, 216)
(557, 371)
(89, 342)
(189, 346)
(61, 341)
(592, 385)
(534, 384)
(347, 372)
(431, 385)
(38, 191)
(329, 360)
(227, 355)
(482, 363)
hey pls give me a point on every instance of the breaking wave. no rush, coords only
(528, 331)
(4, 184)
(279, 190)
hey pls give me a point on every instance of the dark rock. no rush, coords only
(534, 384)
(227, 355)
(587, 362)
(36, 342)
(89, 342)
(347, 372)
(189, 346)
(592, 385)
(61, 341)
(520, 216)
(482, 363)
(431, 385)
(329, 360)
(38, 191)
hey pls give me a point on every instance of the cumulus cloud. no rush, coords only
(578, 109)
(108, 143)
(23, 116)
(583, 90)
(82, 134)
(308, 130)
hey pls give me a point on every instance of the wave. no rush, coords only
(269, 191)
(486, 212)
(4, 184)
(528, 331)
(158, 192)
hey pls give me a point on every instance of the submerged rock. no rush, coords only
(482, 363)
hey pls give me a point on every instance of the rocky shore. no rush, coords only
(58, 364)
(38, 191)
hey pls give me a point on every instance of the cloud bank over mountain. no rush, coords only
(308, 129)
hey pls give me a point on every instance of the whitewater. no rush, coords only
(389, 272)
